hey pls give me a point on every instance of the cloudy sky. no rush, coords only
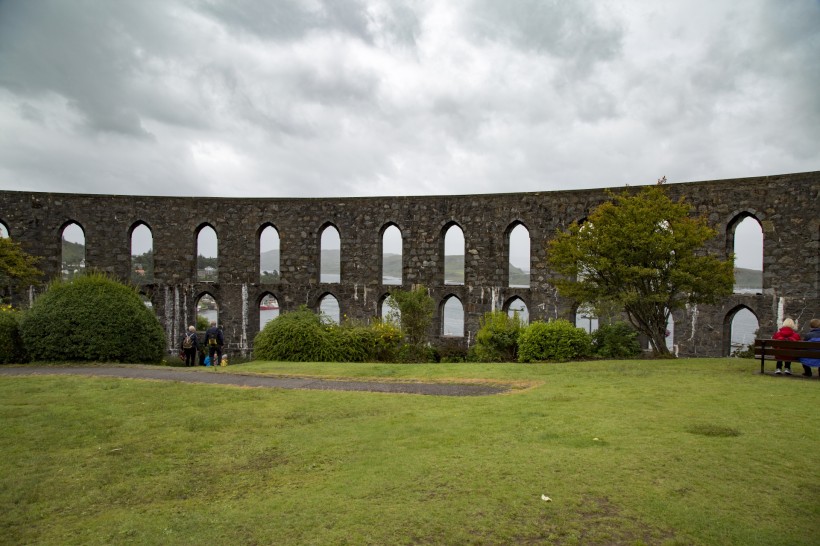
(372, 97)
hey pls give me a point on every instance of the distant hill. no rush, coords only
(73, 253)
(748, 278)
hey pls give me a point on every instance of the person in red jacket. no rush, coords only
(786, 332)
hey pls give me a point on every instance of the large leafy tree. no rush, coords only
(643, 253)
(17, 268)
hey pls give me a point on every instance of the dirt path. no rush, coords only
(199, 375)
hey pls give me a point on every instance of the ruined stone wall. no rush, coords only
(785, 205)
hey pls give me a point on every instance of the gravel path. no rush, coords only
(242, 380)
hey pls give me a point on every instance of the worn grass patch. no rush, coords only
(639, 452)
(708, 429)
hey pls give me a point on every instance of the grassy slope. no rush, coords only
(104, 461)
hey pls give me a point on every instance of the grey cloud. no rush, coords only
(289, 19)
(568, 30)
(111, 61)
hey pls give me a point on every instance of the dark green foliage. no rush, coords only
(497, 339)
(557, 340)
(12, 349)
(617, 340)
(301, 336)
(92, 318)
(297, 336)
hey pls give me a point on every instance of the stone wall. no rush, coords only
(785, 205)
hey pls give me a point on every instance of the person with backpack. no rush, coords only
(214, 342)
(190, 344)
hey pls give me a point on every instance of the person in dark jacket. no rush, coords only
(214, 342)
(786, 332)
(190, 344)
(812, 335)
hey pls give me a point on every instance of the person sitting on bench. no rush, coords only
(812, 335)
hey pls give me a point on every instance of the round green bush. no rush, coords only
(617, 340)
(12, 349)
(558, 340)
(92, 318)
(298, 336)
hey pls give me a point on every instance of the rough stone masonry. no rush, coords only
(786, 206)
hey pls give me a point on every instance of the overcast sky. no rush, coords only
(297, 98)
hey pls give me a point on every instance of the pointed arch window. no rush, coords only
(452, 318)
(519, 257)
(268, 309)
(748, 250)
(207, 311)
(743, 330)
(518, 307)
(454, 256)
(142, 254)
(329, 308)
(73, 251)
(392, 255)
(207, 255)
(390, 311)
(330, 255)
(269, 255)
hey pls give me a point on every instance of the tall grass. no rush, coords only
(631, 452)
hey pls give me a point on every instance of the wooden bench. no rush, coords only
(780, 349)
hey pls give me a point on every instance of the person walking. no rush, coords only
(190, 345)
(786, 332)
(214, 341)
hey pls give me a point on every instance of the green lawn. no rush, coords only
(691, 451)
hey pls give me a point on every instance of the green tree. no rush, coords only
(644, 253)
(17, 268)
(416, 309)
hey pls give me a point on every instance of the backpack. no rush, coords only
(212, 342)
(188, 343)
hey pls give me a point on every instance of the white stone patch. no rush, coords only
(243, 340)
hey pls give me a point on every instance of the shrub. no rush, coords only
(387, 339)
(301, 336)
(617, 340)
(92, 318)
(497, 338)
(12, 349)
(556, 340)
(298, 336)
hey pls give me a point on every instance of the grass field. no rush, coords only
(693, 451)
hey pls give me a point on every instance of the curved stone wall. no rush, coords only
(785, 205)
